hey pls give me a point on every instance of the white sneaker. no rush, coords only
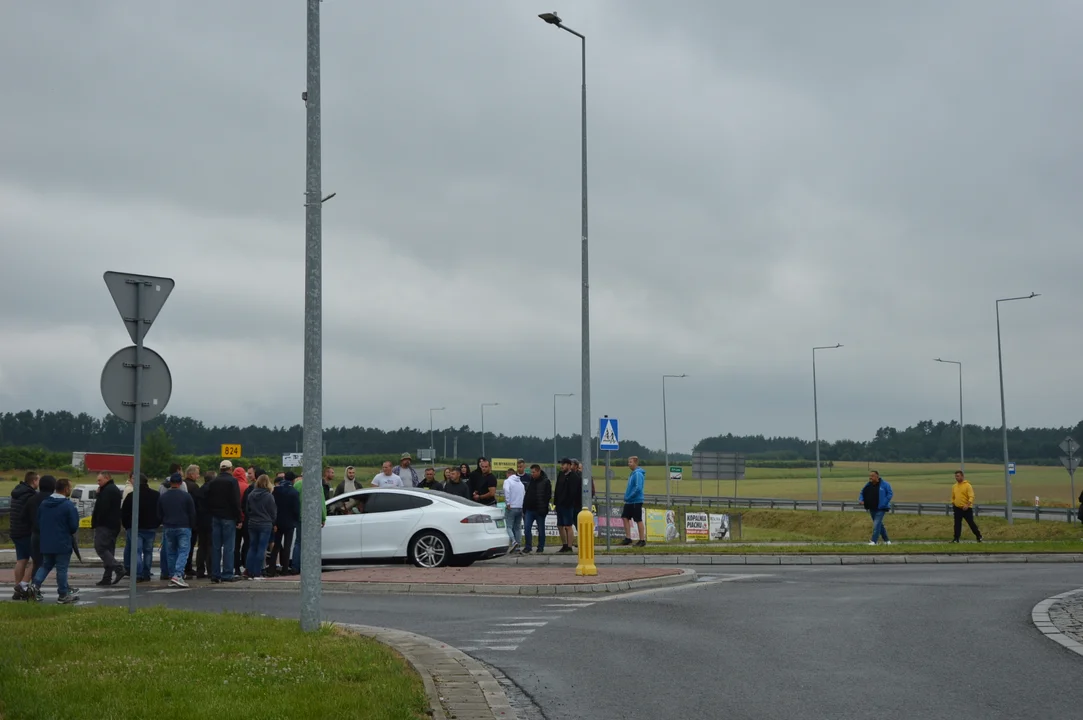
(178, 582)
(872, 543)
(259, 577)
(887, 542)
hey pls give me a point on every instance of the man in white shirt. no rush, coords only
(514, 492)
(386, 478)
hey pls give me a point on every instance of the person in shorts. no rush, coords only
(633, 503)
(20, 533)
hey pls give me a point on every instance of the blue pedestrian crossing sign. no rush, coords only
(607, 431)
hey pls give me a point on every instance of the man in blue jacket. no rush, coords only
(58, 520)
(876, 496)
(633, 503)
(288, 502)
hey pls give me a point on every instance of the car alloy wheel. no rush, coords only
(430, 551)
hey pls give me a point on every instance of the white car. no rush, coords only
(429, 528)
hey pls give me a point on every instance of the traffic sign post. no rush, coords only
(608, 515)
(607, 431)
(136, 383)
(1070, 462)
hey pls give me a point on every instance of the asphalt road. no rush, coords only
(791, 642)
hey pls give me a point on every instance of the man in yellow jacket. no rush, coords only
(962, 501)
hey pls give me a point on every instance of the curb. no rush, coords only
(457, 685)
(682, 577)
(1040, 617)
(804, 559)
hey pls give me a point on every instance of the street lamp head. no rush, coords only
(551, 18)
(1034, 295)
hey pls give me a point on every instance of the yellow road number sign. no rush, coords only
(84, 522)
(231, 451)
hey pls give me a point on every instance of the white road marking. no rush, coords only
(527, 624)
(509, 632)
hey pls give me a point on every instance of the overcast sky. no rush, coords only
(764, 177)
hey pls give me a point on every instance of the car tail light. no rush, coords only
(477, 519)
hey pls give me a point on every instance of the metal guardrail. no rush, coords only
(906, 508)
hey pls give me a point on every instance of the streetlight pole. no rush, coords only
(554, 19)
(816, 424)
(555, 396)
(483, 406)
(432, 443)
(962, 454)
(311, 563)
(1003, 414)
(665, 430)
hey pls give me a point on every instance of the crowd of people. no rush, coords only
(239, 524)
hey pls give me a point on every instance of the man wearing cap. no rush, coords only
(177, 512)
(223, 496)
(385, 478)
(349, 483)
(407, 473)
(568, 499)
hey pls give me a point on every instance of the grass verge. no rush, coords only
(896, 548)
(98, 662)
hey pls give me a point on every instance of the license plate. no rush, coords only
(500, 523)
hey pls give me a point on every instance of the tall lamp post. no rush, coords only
(483, 406)
(1003, 414)
(816, 424)
(555, 396)
(665, 430)
(962, 454)
(432, 445)
(585, 433)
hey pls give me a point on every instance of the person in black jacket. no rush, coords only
(20, 533)
(203, 530)
(288, 516)
(568, 499)
(483, 483)
(146, 527)
(105, 520)
(457, 485)
(46, 487)
(539, 491)
(223, 498)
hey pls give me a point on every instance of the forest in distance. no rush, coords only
(926, 441)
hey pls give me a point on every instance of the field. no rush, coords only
(912, 482)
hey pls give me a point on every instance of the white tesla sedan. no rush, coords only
(429, 528)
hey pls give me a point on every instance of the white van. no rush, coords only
(84, 496)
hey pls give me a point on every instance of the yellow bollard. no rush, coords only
(586, 564)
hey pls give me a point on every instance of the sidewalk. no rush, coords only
(702, 558)
(489, 578)
(457, 685)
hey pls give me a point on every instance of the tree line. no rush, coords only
(926, 441)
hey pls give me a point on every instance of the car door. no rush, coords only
(341, 536)
(389, 521)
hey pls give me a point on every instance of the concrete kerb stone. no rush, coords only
(456, 685)
(683, 575)
(1039, 615)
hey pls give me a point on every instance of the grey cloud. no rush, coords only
(764, 178)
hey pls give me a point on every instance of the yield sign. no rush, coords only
(139, 298)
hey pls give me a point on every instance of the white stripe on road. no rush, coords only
(527, 624)
(585, 603)
(508, 632)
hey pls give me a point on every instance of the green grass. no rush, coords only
(69, 662)
(896, 548)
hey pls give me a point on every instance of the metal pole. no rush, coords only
(962, 450)
(1003, 414)
(554, 436)
(1004, 428)
(608, 515)
(588, 464)
(665, 437)
(483, 430)
(137, 462)
(311, 524)
(816, 425)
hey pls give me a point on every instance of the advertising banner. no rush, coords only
(661, 525)
(720, 527)
(696, 527)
